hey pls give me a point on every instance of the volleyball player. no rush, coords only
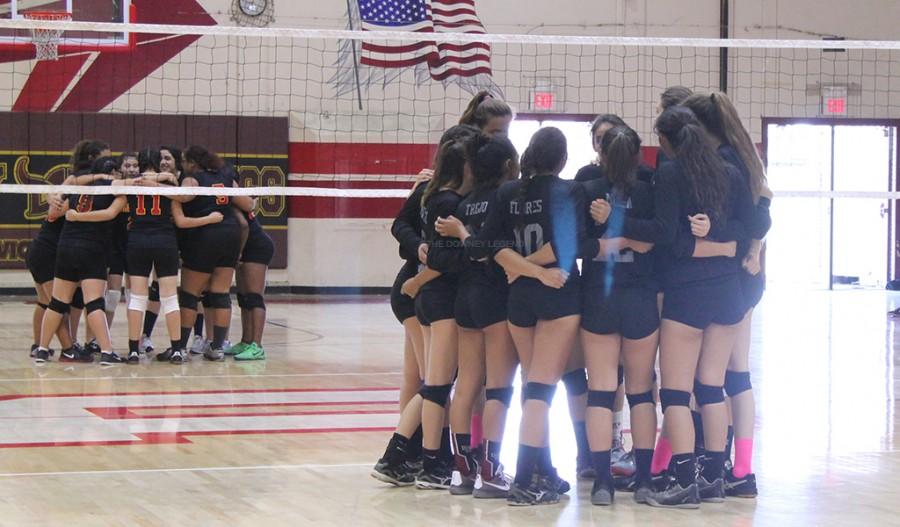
(489, 114)
(702, 303)
(671, 96)
(211, 252)
(721, 120)
(539, 209)
(126, 168)
(619, 313)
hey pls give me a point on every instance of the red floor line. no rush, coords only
(259, 405)
(115, 414)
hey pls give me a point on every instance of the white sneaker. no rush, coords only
(198, 345)
(146, 345)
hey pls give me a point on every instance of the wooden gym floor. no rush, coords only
(290, 441)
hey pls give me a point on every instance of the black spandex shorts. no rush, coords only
(480, 305)
(530, 301)
(719, 301)
(630, 312)
(41, 261)
(752, 287)
(75, 264)
(436, 303)
(208, 249)
(118, 261)
(402, 305)
(258, 249)
(142, 260)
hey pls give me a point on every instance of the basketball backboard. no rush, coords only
(118, 11)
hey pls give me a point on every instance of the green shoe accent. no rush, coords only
(252, 352)
(237, 348)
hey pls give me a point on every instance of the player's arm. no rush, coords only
(187, 222)
(107, 214)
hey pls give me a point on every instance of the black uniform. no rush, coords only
(698, 291)
(259, 248)
(752, 286)
(83, 248)
(41, 256)
(547, 210)
(436, 299)
(407, 230)
(619, 296)
(592, 171)
(483, 290)
(152, 238)
(119, 243)
(217, 244)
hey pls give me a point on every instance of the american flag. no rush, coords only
(443, 60)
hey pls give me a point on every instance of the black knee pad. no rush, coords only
(706, 394)
(436, 394)
(669, 398)
(153, 294)
(77, 299)
(241, 301)
(58, 306)
(621, 374)
(187, 300)
(737, 382)
(635, 399)
(601, 399)
(206, 300)
(219, 300)
(254, 301)
(42, 306)
(576, 382)
(541, 392)
(504, 395)
(95, 304)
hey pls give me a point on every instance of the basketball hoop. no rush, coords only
(46, 40)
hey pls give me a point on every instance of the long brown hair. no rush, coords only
(701, 165)
(482, 108)
(85, 152)
(674, 95)
(621, 149)
(450, 160)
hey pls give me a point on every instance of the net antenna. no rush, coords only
(46, 39)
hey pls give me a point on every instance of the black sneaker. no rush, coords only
(437, 479)
(92, 347)
(134, 357)
(602, 493)
(110, 358)
(661, 481)
(175, 356)
(542, 491)
(397, 474)
(165, 356)
(495, 487)
(75, 354)
(41, 355)
(676, 497)
(711, 491)
(584, 469)
(562, 486)
(744, 487)
(33, 347)
(642, 491)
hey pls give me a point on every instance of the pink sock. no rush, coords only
(661, 456)
(476, 431)
(743, 457)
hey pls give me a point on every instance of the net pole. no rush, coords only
(724, 23)
(355, 59)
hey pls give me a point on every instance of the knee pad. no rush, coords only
(254, 301)
(187, 300)
(154, 292)
(168, 304)
(78, 299)
(219, 300)
(504, 395)
(241, 301)
(669, 398)
(97, 304)
(620, 375)
(138, 303)
(737, 382)
(576, 382)
(206, 300)
(42, 306)
(635, 399)
(113, 298)
(541, 392)
(436, 394)
(706, 394)
(601, 399)
(58, 306)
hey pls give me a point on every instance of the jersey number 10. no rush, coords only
(140, 210)
(530, 238)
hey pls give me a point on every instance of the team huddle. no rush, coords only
(89, 246)
(591, 282)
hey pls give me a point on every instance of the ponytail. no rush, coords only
(545, 153)
(738, 137)
(621, 149)
(482, 108)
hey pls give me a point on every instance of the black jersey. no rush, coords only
(628, 268)
(673, 204)
(151, 223)
(762, 220)
(407, 226)
(50, 232)
(444, 254)
(203, 205)
(473, 212)
(89, 233)
(592, 172)
(527, 214)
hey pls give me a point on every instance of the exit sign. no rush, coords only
(834, 100)
(544, 101)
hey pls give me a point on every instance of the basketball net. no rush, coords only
(46, 40)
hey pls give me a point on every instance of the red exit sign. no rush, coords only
(836, 106)
(544, 100)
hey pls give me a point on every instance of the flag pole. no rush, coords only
(355, 61)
